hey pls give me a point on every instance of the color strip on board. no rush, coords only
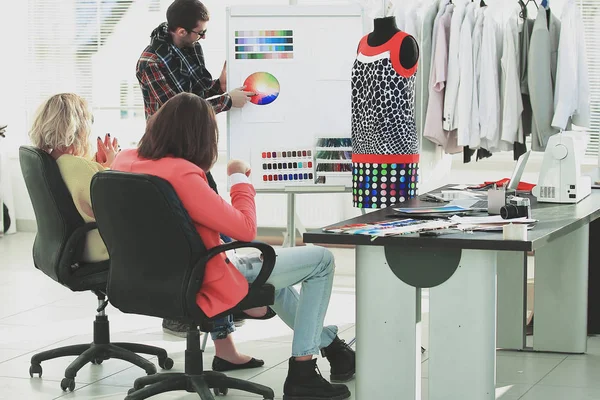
(263, 56)
(264, 33)
(262, 49)
(266, 40)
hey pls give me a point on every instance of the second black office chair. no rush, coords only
(57, 252)
(157, 268)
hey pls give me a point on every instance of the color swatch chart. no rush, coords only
(288, 166)
(264, 45)
(334, 161)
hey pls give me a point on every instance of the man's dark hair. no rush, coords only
(186, 14)
(184, 127)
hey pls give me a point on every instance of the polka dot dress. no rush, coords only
(384, 136)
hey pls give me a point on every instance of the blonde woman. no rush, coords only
(62, 127)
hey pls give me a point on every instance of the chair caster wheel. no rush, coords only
(221, 391)
(97, 361)
(67, 384)
(167, 363)
(35, 369)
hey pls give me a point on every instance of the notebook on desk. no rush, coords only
(513, 183)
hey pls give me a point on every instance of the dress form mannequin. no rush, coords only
(384, 29)
(385, 145)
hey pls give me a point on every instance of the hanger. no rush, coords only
(534, 2)
(523, 12)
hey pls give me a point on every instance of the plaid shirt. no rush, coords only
(165, 70)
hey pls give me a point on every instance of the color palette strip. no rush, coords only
(306, 177)
(264, 56)
(264, 33)
(264, 40)
(264, 45)
(261, 49)
(287, 165)
(288, 154)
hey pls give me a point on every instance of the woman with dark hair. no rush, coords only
(180, 146)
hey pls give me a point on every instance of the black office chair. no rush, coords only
(57, 251)
(157, 268)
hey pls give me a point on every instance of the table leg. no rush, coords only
(561, 294)
(388, 315)
(462, 331)
(290, 234)
(512, 299)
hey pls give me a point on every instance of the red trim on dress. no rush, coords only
(385, 158)
(393, 46)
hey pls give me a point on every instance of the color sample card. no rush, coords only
(334, 161)
(264, 44)
(287, 166)
(265, 85)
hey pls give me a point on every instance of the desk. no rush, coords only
(462, 272)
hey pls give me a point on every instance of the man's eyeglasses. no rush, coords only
(200, 34)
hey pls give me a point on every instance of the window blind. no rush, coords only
(590, 11)
(90, 47)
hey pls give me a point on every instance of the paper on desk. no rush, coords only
(458, 187)
(460, 194)
(490, 220)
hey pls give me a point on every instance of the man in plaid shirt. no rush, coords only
(174, 63)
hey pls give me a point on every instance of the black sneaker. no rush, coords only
(305, 382)
(342, 360)
(176, 327)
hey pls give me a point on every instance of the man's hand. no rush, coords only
(238, 167)
(223, 78)
(239, 97)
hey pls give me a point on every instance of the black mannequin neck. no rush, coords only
(384, 30)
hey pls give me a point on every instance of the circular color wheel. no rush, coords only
(265, 85)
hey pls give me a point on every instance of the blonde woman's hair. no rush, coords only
(62, 121)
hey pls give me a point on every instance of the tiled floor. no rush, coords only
(36, 313)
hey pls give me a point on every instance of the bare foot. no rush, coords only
(256, 312)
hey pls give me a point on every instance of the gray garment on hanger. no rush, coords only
(541, 76)
(524, 40)
(422, 94)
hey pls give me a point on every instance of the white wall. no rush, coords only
(314, 210)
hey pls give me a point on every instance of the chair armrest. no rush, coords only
(268, 255)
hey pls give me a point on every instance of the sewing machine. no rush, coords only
(560, 178)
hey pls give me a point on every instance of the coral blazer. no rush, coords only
(224, 286)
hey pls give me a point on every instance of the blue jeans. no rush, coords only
(304, 312)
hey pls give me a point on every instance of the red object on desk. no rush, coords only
(523, 186)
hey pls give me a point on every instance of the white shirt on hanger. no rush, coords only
(572, 91)
(475, 136)
(450, 121)
(489, 84)
(465, 89)
(512, 101)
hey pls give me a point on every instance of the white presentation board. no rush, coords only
(299, 59)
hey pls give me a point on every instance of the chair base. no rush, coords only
(98, 351)
(149, 386)
(195, 379)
